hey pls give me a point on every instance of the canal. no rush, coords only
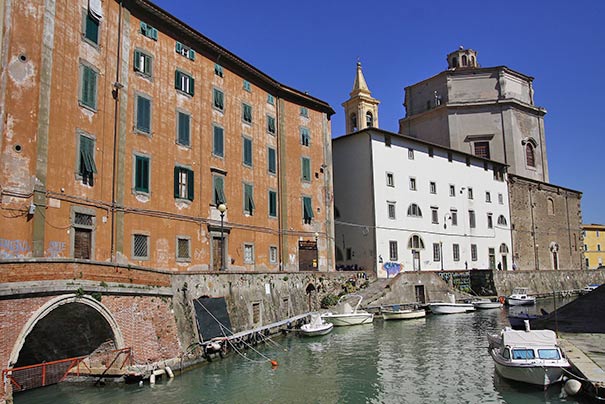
(440, 359)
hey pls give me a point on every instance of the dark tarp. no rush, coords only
(210, 313)
(586, 314)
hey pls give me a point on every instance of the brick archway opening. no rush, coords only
(65, 327)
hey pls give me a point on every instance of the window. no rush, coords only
(217, 141)
(305, 137)
(86, 160)
(218, 70)
(410, 154)
(523, 354)
(218, 185)
(390, 180)
(273, 254)
(271, 124)
(88, 86)
(353, 122)
(456, 252)
(454, 215)
(143, 115)
(530, 156)
(256, 314)
(183, 249)
(502, 220)
(473, 252)
(452, 190)
(598, 247)
(549, 354)
(550, 206)
(490, 221)
(500, 199)
(470, 193)
(143, 63)
(391, 210)
(416, 243)
(307, 210)
(431, 151)
(272, 203)
(304, 112)
(271, 160)
(183, 183)
(249, 199)
(148, 31)
(140, 246)
(83, 229)
(183, 128)
(218, 99)
(412, 183)
(247, 151)
(434, 215)
(306, 169)
(433, 187)
(369, 119)
(246, 113)
(482, 149)
(91, 28)
(585, 247)
(393, 255)
(498, 174)
(436, 252)
(598, 233)
(246, 86)
(270, 99)
(184, 50)
(248, 253)
(184, 82)
(414, 210)
(141, 174)
(488, 197)
(387, 140)
(471, 219)
(503, 248)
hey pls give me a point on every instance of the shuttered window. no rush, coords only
(246, 113)
(183, 183)
(271, 124)
(249, 199)
(219, 189)
(148, 31)
(143, 115)
(247, 151)
(183, 126)
(307, 210)
(184, 82)
(218, 99)
(217, 146)
(87, 166)
(141, 174)
(143, 63)
(306, 169)
(272, 162)
(272, 203)
(91, 28)
(305, 137)
(88, 86)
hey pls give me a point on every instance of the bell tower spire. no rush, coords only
(361, 109)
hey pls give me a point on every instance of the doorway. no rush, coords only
(419, 291)
(307, 255)
(416, 259)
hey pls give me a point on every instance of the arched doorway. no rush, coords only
(504, 256)
(416, 244)
(554, 251)
(66, 326)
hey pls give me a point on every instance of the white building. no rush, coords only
(402, 204)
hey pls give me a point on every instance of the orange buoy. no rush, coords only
(501, 299)
(273, 363)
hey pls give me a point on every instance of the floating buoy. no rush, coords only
(273, 363)
(502, 299)
(572, 387)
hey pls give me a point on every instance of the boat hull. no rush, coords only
(511, 301)
(487, 305)
(403, 314)
(342, 320)
(316, 331)
(538, 374)
(450, 308)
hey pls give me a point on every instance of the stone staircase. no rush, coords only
(375, 291)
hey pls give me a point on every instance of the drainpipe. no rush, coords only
(533, 230)
(279, 184)
(115, 93)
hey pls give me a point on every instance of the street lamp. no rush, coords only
(222, 208)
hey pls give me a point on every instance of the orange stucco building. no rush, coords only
(124, 129)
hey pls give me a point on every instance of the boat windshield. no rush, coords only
(549, 354)
(523, 353)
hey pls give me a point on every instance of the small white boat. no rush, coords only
(485, 304)
(348, 315)
(396, 313)
(519, 297)
(589, 288)
(450, 307)
(316, 327)
(530, 356)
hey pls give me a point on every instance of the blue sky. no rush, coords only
(313, 46)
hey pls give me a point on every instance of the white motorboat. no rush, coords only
(316, 327)
(589, 288)
(530, 356)
(519, 297)
(450, 307)
(396, 313)
(348, 315)
(485, 304)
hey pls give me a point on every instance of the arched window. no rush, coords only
(530, 156)
(550, 206)
(472, 61)
(369, 119)
(463, 60)
(454, 62)
(353, 122)
(502, 220)
(503, 249)
(414, 210)
(415, 243)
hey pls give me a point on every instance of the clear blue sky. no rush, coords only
(313, 46)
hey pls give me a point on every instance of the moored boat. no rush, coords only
(519, 297)
(396, 313)
(348, 315)
(316, 327)
(485, 304)
(450, 307)
(530, 356)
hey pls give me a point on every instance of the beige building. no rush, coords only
(594, 245)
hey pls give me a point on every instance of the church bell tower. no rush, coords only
(361, 109)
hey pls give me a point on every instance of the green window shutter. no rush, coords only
(91, 29)
(142, 174)
(143, 114)
(89, 87)
(248, 199)
(191, 54)
(190, 185)
(177, 172)
(247, 113)
(184, 129)
(137, 61)
(179, 47)
(177, 79)
(219, 190)
(270, 124)
(272, 161)
(306, 169)
(191, 85)
(307, 209)
(147, 68)
(247, 151)
(272, 203)
(154, 34)
(218, 141)
(143, 28)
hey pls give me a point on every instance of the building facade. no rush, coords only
(124, 130)
(594, 245)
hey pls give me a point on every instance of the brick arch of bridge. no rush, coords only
(58, 303)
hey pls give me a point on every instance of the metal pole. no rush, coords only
(222, 243)
(441, 253)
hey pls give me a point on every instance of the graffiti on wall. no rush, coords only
(392, 268)
(55, 249)
(14, 248)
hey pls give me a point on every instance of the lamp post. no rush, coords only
(222, 208)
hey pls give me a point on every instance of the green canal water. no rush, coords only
(440, 359)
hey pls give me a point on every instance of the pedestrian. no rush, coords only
(499, 266)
